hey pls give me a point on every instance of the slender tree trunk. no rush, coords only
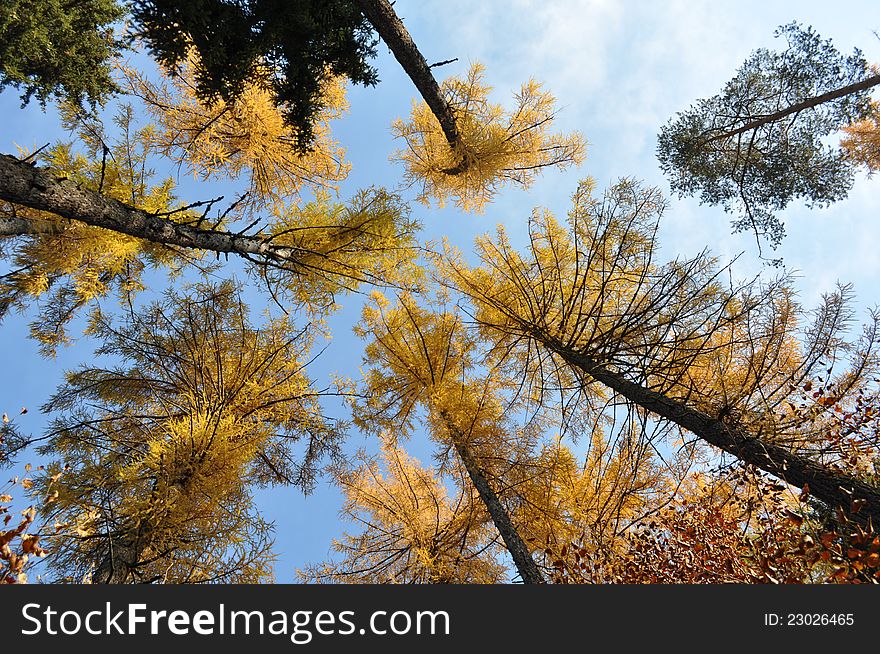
(395, 35)
(809, 103)
(37, 188)
(522, 557)
(837, 489)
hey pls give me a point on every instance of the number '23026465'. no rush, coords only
(808, 619)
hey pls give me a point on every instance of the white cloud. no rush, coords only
(620, 70)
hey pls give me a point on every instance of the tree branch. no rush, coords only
(395, 35)
(37, 188)
(809, 103)
(16, 226)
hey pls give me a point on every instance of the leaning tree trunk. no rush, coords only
(395, 35)
(809, 103)
(38, 188)
(833, 487)
(519, 551)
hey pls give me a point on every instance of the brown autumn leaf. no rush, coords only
(30, 544)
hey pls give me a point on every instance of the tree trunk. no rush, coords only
(37, 188)
(116, 565)
(522, 557)
(395, 35)
(836, 489)
(800, 106)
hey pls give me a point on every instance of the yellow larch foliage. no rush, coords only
(247, 139)
(594, 294)
(423, 358)
(371, 239)
(68, 264)
(497, 147)
(750, 358)
(201, 409)
(862, 140)
(414, 532)
(415, 355)
(591, 501)
(588, 280)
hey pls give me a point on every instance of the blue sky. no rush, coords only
(619, 69)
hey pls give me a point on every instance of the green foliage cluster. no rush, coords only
(758, 171)
(57, 49)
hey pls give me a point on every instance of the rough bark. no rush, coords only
(116, 565)
(395, 35)
(835, 488)
(15, 226)
(38, 188)
(809, 103)
(522, 557)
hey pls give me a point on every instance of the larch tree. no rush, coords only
(494, 147)
(159, 454)
(416, 529)
(84, 221)
(760, 143)
(721, 361)
(425, 369)
(424, 360)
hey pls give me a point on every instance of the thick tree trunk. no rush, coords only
(836, 489)
(809, 103)
(37, 188)
(522, 557)
(395, 35)
(116, 565)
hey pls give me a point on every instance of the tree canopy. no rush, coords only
(292, 50)
(760, 143)
(53, 49)
(586, 406)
